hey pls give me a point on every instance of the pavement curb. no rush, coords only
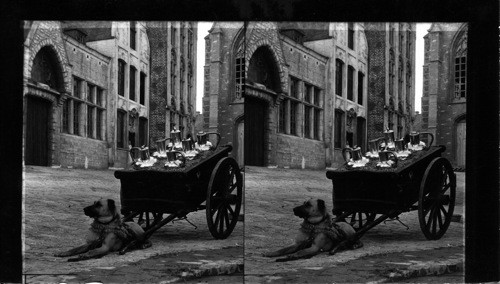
(213, 269)
(424, 269)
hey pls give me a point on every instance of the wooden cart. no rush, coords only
(213, 183)
(424, 182)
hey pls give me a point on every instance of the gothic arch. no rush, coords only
(55, 44)
(269, 38)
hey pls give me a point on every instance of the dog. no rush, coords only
(107, 233)
(318, 233)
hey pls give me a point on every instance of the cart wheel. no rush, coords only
(360, 219)
(224, 195)
(436, 199)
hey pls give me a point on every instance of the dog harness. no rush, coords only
(325, 226)
(121, 230)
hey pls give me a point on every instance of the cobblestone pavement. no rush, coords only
(53, 221)
(272, 193)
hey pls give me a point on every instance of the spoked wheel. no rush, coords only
(224, 196)
(360, 219)
(436, 199)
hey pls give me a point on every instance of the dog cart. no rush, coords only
(424, 181)
(211, 182)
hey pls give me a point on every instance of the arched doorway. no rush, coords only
(460, 130)
(46, 73)
(263, 84)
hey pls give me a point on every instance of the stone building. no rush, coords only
(292, 78)
(391, 52)
(445, 88)
(86, 92)
(173, 78)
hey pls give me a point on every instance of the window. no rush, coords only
(391, 73)
(350, 35)
(90, 121)
(339, 116)
(133, 71)
(307, 121)
(98, 124)
(77, 87)
(408, 44)
(391, 36)
(293, 117)
(99, 98)
(133, 34)
(361, 78)
(400, 79)
(76, 118)
(240, 76)
(190, 43)
(173, 65)
(294, 87)
(400, 127)
(408, 84)
(350, 83)
(142, 92)
(460, 66)
(390, 120)
(143, 131)
(338, 77)
(173, 32)
(90, 93)
(120, 131)
(66, 116)
(121, 77)
(190, 86)
(282, 117)
(316, 125)
(308, 89)
(401, 42)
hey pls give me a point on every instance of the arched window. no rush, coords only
(460, 67)
(239, 64)
(45, 69)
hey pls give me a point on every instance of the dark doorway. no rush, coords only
(255, 125)
(37, 132)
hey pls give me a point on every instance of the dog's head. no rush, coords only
(101, 208)
(311, 208)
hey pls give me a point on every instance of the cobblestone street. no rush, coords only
(272, 193)
(54, 221)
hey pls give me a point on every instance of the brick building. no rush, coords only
(173, 80)
(292, 77)
(391, 52)
(445, 88)
(86, 90)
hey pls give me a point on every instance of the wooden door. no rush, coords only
(255, 125)
(37, 132)
(460, 150)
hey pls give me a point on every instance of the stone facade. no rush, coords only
(223, 106)
(289, 90)
(173, 78)
(444, 95)
(76, 145)
(391, 84)
(73, 66)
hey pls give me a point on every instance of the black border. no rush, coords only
(482, 228)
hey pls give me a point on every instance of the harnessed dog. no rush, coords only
(318, 233)
(107, 233)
